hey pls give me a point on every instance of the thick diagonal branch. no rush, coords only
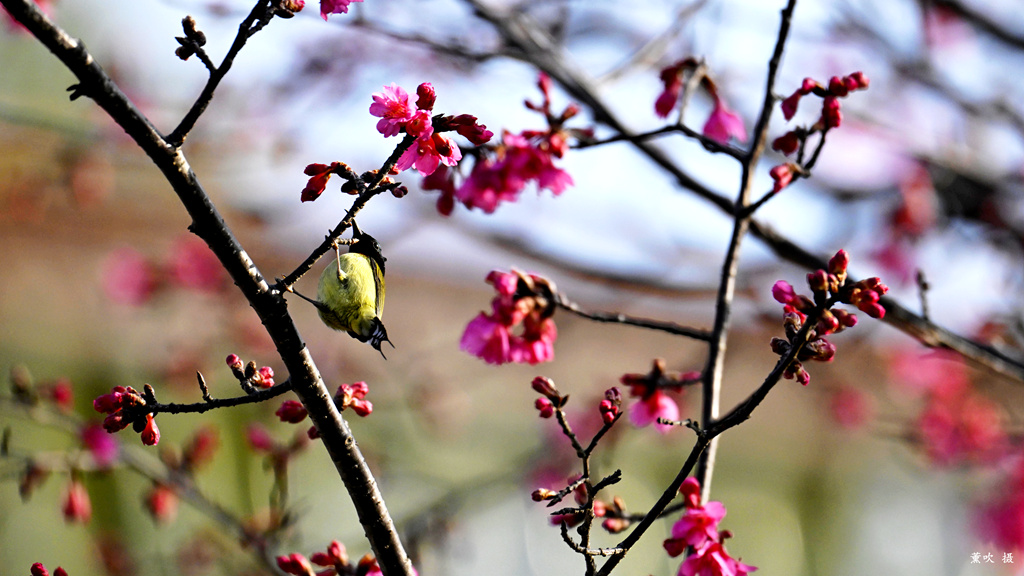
(269, 305)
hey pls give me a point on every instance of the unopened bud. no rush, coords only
(545, 407)
(837, 86)
(425, 96)
(545, 386)
(615, 525)
(857, 79)
(779, 346)
(821, 350)
(818, 281)
(837, 265)
(542, 494)
(831, 112)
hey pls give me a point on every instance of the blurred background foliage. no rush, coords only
(924, 175)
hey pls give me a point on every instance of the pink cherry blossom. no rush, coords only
(831, 112)
(291, 411)
(487, 339)
(537, 343)
(652, 406)
(487, 186)
(427, 153)
(393, 108)
(712, 560)
(128, 277)
(334, 7)
(699, 524)
(962, 427)
(669, 97)
(724, 124)
(790, 104)
(442, 180)
(101, 445)
(194, 266)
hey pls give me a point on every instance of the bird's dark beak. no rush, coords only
(356, 232)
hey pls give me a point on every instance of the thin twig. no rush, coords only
(714, 370)
(922, 292)
(214, 403)
(373, 188)
(617, 318)
(258, 17)
(708, 144)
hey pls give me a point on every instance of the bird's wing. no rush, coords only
(378, 287)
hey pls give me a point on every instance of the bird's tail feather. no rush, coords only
(378, 336)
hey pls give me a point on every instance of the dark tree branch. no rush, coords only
(269, 305)
(982, 22)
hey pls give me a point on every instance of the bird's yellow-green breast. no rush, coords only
(354, 295)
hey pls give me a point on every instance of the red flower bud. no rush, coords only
(859, 80)
(162, 504)
(291, 411)
(837, 265)
(831, 114)
(787, 143)
(76, 507)
(425, 96)
(818, 281)
(545, 386)
(789, 105)
(150, 434)
(115, 422)
(837, 87)
(782, 175)
(546, 408)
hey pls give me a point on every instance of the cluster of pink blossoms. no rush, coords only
(653, 402)
(957, 425)
(523, 300)
(430, 152)
(828, 287)
(698, 529)
(723, 123)
(831, 117)
(503, 171)
(431, 149)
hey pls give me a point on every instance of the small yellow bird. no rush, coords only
(350, 295)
